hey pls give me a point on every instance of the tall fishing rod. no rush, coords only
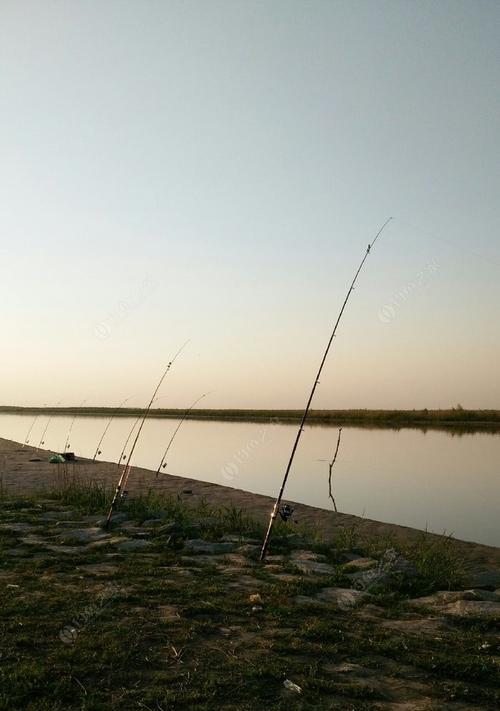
(113, 415)
(124, 475)
(66, 444)
(274, 512)
(26, 439)
(163, 463)
(42, 438)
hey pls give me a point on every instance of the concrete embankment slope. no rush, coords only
(19, 475)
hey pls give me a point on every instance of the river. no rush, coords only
(445, 482)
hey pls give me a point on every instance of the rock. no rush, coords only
(233, 538)
(17, 552)
(361, 563)
(168, 528)
(285, 577)
(295, 540)
(73, 550)
(201, 523)
(291, 686)
(17, 527)
(226, 631)
(106, 542)
(248, 581)
(118, 517)
(306, 600)
(169, 613)
(57, 515)
(347, 668)
(311, 567)
(172, 573)
(83, 535)
(489, 579)
(469, 608)
(99, 569)
(201, 559)
(306, 555)
(396, 564)
(462, 603)
(130, 529)
(229, 569)
(391, 569)
(238, 559)
(443, 598)
(351, 555)
(197, 545)
(417, 626)
(32, 540)
(135, 544)
(342, 597)
(249, 550)
(152, 522)
(91, 518)
(273, 568)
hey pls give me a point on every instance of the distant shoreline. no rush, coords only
(456, 418)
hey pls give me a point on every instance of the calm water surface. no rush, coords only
(435, 480)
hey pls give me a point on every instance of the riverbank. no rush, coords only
(459, 418)
(170, 608)
(20, 475)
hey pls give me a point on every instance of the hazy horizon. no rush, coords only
(214, 172)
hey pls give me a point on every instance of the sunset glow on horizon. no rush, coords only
(215, 171)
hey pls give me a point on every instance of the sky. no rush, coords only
(214, 171)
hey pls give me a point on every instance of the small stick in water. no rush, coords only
(330, 467)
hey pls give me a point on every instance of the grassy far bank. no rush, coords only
(136, 619)
(453, 417)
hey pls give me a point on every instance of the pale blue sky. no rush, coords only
(214, 170)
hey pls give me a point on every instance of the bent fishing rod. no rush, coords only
(42, 438)
(274, 512)
(163, 463)
(27, 438)
(67, 444)
(125, 473)
(113, 415)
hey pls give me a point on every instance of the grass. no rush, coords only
(125, 657)
(438, 565)
(457, 417)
